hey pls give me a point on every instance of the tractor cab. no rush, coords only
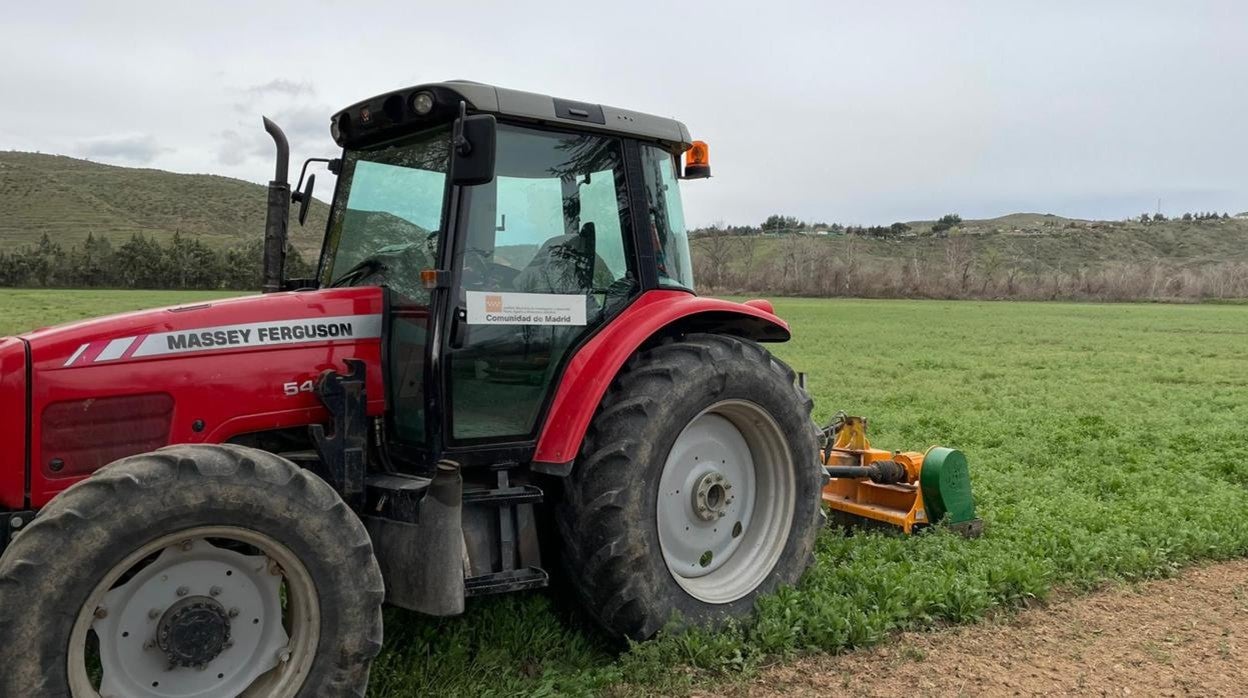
(507, 228)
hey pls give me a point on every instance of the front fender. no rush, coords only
(595, 365)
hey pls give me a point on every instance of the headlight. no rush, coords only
(422, 103)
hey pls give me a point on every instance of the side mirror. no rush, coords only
(472, 149)
(303, 195)
(304, 198)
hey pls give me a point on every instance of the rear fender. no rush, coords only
(595, 365)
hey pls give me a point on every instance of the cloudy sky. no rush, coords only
(863, 112)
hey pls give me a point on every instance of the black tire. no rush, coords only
(607, 518)
(50, 569)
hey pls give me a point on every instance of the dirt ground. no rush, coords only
(1176, 637)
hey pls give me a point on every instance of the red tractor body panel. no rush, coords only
(204, 373)
(12, 423)
(111, 387)
(596, 364)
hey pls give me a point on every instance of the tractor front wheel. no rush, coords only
(191, 571)
(696, 490)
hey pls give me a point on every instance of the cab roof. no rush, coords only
(392, 113)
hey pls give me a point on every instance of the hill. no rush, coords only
(1021, 255)
(68, 198)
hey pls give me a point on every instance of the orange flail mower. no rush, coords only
(906, 489)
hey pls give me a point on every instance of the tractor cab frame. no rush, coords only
(508, 228)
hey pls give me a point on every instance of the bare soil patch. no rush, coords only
(1176, 637)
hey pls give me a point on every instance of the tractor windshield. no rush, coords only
(387, 213)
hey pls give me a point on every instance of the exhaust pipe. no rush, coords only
(277, 216)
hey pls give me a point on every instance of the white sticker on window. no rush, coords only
(500, 308)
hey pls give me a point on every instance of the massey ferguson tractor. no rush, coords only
(502, 339)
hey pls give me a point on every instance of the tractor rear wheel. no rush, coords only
(191, 571)
(697, 488)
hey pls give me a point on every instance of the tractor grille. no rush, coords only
(80, 436)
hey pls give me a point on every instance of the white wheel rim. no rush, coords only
(726, 501)
(269, 649)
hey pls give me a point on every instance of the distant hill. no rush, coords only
(68, 198)
(1021, 255)
(1044, 240)
(1039, 241)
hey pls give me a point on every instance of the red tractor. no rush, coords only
(502, 338)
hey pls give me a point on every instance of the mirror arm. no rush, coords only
(329, 162)
(461, 144)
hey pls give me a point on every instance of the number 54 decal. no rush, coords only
(293, 388)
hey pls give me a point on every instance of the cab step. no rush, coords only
(509, 580)
(505, 496)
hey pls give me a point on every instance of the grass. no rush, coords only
(1106, 443)
(27, 309)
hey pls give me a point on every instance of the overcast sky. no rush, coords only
(864, 112)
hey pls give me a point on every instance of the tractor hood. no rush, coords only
(246, 324)
(210, 372)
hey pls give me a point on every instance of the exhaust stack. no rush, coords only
(277, 215)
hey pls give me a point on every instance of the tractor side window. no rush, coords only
(667, 218)
(553, 222)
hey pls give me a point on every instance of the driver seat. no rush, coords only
(563, 264)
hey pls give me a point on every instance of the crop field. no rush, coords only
(1106, 442)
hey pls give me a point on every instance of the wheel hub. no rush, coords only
(193, 632)
(711, 496)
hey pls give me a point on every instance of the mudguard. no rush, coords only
(596, 363)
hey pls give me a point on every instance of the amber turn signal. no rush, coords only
(429, 278)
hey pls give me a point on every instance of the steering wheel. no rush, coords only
(397, 266)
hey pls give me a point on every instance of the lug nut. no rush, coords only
(215, 591)
(154, 613)
(183, 591)
(15, 522)
(233, 613)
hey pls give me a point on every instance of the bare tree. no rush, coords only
(989, 262)
(715, 250)
(959, 257)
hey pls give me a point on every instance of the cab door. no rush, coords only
(546, 257)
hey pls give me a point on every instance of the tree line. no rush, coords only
(181, 262)
(780, 224)
(1160, 217)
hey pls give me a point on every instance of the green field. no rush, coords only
(22, 310)
(1106, 442)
